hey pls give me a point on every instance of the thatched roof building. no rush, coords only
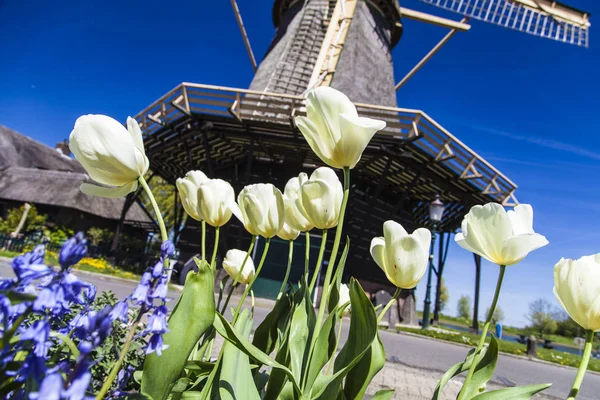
(35, 173)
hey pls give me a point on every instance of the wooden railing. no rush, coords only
(424, 132)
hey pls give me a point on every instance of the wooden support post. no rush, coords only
(475, 325)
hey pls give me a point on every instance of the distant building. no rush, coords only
(48, 178)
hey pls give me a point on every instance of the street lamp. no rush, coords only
(436, 211)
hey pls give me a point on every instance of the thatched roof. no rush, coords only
(33, 172)
(59, 188)
(22, 151)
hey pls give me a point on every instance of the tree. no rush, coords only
(444, 295)
(541, 314)
(498, 314)
(464, 307)
(34, 221)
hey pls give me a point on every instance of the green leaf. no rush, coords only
(17, 297)
(323, 350)
(513, 393)
(181, 385)
(456, 369)
(483, 370)
(193, 315)
(334, 294)
(301, 327)
(226, 330)
(199, 366)
(278, 378)
(362, 374)
(265, 335)
(235, 378)
(363, 328)
(384, 394)
(191, 395)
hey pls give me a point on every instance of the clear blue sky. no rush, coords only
(528, 105)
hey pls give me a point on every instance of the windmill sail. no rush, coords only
(548, 19)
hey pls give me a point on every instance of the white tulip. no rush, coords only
(293, 216)
(577, 288)
(233, 262)
(504, 238)
(111, 155)
(188, 192)
(215, 198)
(287, 232)
(402, 257)
(333, 129)
(320, 198)
(260, 209)
(344, 296)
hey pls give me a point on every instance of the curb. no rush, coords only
(537, 360)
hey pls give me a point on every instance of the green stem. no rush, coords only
(388, 305)
(249, 286)
(163, 233)
(204, 240)
(313, 281)
(333, 257)
(307, 254)
(214, 254)
(589, 339)
(67, 341)
(484, 332)
(117, 366)
(287, 271)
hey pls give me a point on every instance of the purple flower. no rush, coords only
(140, 294)
(50, 389)
(73, 250)
(33, 367)
(158, 269)
(80, 381)
(157, 323)
(160, 290)
(39, 333)
(167, 249)
(99, 325)
(156, 344)
(120, 311)
(30, 266)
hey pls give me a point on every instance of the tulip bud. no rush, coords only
(293, 216)
(320, 198)
(402, 257)
(111, 155)
(577, 288)
(287, 232)
(188, 192)
(234, 263)
(260, 209)
(344, 297)
(333, 129)
(215, 197)
(504, 238)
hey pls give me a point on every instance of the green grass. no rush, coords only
(557, 357)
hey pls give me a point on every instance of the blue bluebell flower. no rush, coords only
(30, 266)
(120, 311)
(80, 381)
(99, 325)
(161, 289)
(158, 269)
(156, 344)
(167, 249)
(157, 323)
(33, 367)
(50, 389)
(140, 294)
(39, 333)
(73, 250)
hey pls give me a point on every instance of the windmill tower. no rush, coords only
(248, 135)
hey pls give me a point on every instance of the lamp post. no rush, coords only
(436, 211)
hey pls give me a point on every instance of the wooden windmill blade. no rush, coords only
(544, 18)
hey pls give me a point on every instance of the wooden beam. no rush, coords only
(382, 179)
(240, 23)
(435, 20)
(429, 55)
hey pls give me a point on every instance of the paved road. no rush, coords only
(417, 351)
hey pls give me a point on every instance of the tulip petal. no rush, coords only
(235, 209)
(406, 262)
(378, 252)
(517, 247)
(318, 200)
(521, 219)
(321, 148)
(357, 133)
(188, 193)
(392, 231)
(136, 134)
(112, 193)
(488, 227)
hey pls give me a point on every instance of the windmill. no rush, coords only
(248, 135)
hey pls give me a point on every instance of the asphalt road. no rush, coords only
(414, 351)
